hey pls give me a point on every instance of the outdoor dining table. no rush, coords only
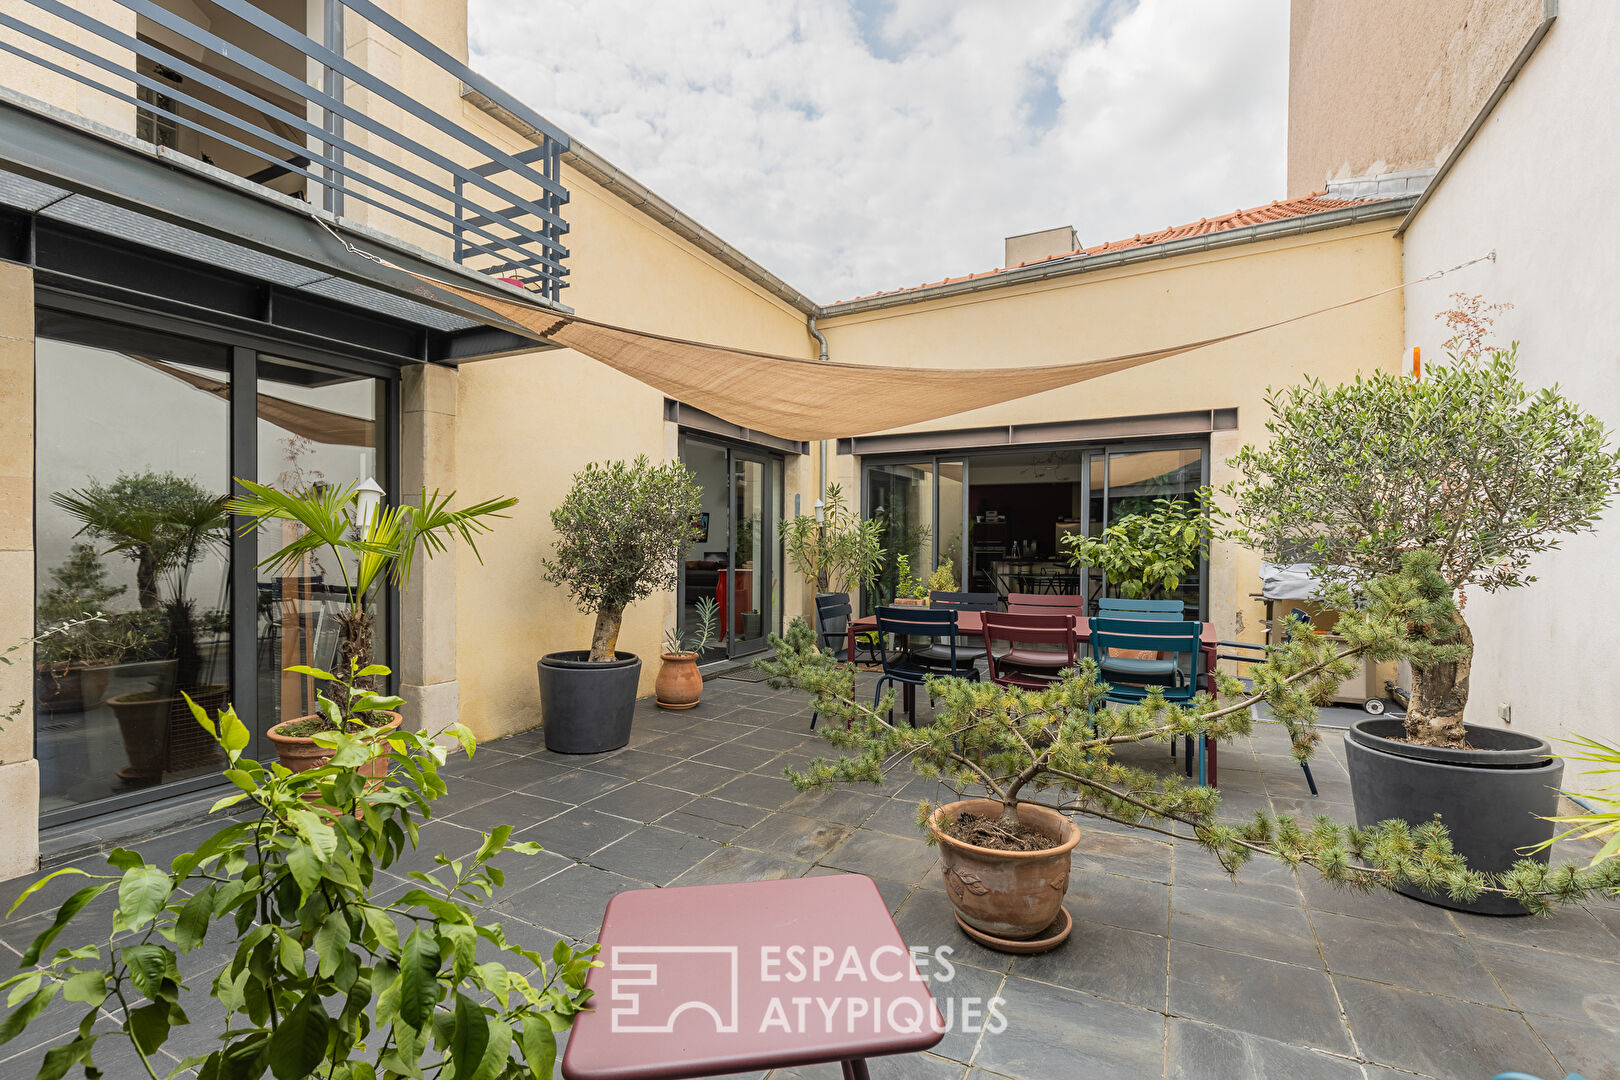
(970, 624)
(708, 980)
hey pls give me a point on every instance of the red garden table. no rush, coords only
(716, 979)
(971, 625)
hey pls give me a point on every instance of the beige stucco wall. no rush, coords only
(1379, 86)
(19, 772)
(526, 423)
(1140, 307)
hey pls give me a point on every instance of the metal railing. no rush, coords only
(498, 212)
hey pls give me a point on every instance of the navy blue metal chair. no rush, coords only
(833, 612)
(909, 669)
(1126, 687)
(958, 601)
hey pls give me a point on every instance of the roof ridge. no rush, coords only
(1314, 202)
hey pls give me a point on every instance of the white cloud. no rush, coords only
(851, 147)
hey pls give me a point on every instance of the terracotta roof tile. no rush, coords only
(1279, 210)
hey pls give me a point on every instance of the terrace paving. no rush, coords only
(1173, 970)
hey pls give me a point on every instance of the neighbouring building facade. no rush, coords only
(177, 308)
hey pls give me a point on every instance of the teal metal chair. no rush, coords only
(1128, 684)
(1159, 672)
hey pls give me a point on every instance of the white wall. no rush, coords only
(1536, 185)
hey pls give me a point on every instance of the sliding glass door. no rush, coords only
(736, 561)
(1000, 519)
(138, 432)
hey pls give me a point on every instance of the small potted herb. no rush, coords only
(680, 685)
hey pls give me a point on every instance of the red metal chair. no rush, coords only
(1023, 664)
(1045, 604)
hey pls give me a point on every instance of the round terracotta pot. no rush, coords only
(1012, 895)
(680, 685)
(298, 753)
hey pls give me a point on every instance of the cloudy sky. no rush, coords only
(857, 145)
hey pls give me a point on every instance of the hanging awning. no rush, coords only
(798, 398)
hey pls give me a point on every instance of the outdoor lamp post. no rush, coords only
(367, 497)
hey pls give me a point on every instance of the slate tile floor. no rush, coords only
(1174, 970)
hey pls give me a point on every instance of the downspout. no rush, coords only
(821, 498)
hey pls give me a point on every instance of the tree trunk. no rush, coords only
(1439, 696)
(823, 581)
(355, 640)
(605, 638)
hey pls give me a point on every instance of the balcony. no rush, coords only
(308, 103)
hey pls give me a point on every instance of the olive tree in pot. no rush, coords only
(1024, 764)
(1470, 465)
(620, 529)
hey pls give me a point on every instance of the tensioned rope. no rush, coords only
(797, 397)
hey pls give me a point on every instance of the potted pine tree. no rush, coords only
(620, 530)
(1025, 764)
(1469, 464)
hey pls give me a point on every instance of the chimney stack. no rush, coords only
(1032, 247)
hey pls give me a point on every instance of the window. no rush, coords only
(138, 433)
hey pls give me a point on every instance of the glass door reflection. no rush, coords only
(743, 604)
(315, 427)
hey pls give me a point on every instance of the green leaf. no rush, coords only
(149, 1026)
(142, 895)
(200, 715)
(331, 942)
(299, 1043)
(539, 1045)
(305, 866)
(59, 1059)
(24, 1014)
(149, 967)
(369, 702)
(88, 987)
(372, 669)
(317, 831)
(497, 1052)
(70, 907)
(418, 978)
(36, 886)
(469, 1037)
(382, 927)
(233, 732)
(192, 922)
(314, 673)
(23, 988)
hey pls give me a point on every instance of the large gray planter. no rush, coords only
(1488, 798)
(587, 708)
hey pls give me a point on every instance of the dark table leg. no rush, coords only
(855, 1069)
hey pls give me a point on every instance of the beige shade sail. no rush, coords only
(798, 398)
(315, 424)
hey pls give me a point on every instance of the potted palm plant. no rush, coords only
(1470, 464)
(370, 545)
(166, 525)
(620, 529)
(680, 684)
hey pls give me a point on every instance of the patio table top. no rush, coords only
(717, 979)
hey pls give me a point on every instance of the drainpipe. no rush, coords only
(821, 499)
